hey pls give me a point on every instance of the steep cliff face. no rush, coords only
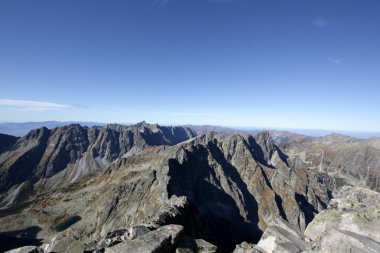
(243, 184)
(22, 159)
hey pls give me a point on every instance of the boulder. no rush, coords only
(189, 245)
(245, 247)
(136, 231)
(279, 240)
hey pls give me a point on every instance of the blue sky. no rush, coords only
(250, 63)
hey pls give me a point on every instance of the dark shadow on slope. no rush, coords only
(258, 152)
(29, 232)
(278, 200)
(24, 167)
(9, 242)
(263, 153)
(216, 211)
(307, 208)
(19, 238)
(16, 208)
(67, 223)
(282, 155)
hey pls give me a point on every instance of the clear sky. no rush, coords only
(312, 64)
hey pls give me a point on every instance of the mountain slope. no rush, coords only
(209, 184)
(348, 160)
(61, 155)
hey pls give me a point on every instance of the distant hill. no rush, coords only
(21, 129)
(223, 131)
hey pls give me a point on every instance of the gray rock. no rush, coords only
(26, 249)
(245, 247)
(203, 246)
(136, 231)
(112, 238)
(349, 224)
(278, 240)
(189, 245)
(163, 239)
(341, 241)
(64, 243)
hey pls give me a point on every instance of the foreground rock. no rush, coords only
(26, 249)
(279, 238)
(349, 224)
(190, 245)
(245, 247)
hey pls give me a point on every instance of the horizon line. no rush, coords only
(191, 124)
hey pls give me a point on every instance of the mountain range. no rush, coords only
(152, 188)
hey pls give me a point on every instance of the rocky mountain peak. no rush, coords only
(141, 124)
(73, 151)
(36, 133)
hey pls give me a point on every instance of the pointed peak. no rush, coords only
(141, 124)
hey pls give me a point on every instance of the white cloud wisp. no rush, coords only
(27, 105)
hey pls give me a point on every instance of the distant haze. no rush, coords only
(20, 129)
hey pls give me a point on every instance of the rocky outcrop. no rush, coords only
(168, 238)
(277, 239)
(349, 224)
(163, 239)
(188, 244)
(26, 249)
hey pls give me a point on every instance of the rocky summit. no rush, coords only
(150, 188)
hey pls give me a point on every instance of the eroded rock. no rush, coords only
(190, 245)
(163, 239)
(349, 224)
